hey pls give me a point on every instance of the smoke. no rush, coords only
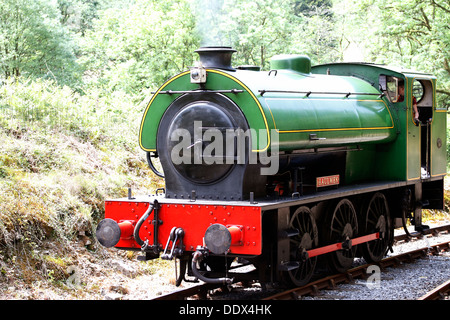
(211, 19)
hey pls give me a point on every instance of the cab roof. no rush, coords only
(404, 71)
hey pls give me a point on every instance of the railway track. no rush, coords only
(441, 292)
(201, 291)
(363, 271)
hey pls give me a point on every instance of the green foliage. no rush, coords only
(33, 42)
(141, 47)
(134, 46)
(411, 33)
(62, 154)
(137, 49)
(78, 15)
(260, 31)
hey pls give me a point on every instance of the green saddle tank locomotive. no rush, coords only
(280, 167)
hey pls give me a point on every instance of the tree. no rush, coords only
(258, 29)
(316, 32)
(139, 47)
(141, 44)
(309, 7)
(33, 42)
(78, 15)
(411, 33)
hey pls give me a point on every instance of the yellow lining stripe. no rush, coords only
(148, 107)
(213, 71)
(334, 129)
(254, 98)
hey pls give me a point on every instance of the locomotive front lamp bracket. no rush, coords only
(198, 73)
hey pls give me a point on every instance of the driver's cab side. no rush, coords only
(417, 99)
(421, 98)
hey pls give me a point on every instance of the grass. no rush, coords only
(61, 156)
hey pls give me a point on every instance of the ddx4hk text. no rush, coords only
(226, 310)
(246, 309)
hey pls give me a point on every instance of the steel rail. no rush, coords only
(200, 290)
(313, 288)
(437, 293)
(330, 282)
(434, 231)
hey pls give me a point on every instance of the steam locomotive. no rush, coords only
(286, 169)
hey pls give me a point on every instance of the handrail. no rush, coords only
(308, 93)
(235, 91)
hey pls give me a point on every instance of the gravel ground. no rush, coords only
(107, 274)
(409, 281)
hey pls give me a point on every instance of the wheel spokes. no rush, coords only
(343, 225)
(304, 222)
(377, 216)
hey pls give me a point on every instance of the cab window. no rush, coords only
(422, 90)
(389, 85)
(418, 90)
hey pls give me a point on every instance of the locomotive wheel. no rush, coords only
(376, 220)
(308, 238)
(342, 225)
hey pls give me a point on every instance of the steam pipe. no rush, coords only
(198, 256)
(150, 164)
(139, 224)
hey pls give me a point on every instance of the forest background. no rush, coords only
(76, 75)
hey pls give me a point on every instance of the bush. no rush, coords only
(62, 155)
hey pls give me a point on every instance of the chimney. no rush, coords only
(216, 57)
